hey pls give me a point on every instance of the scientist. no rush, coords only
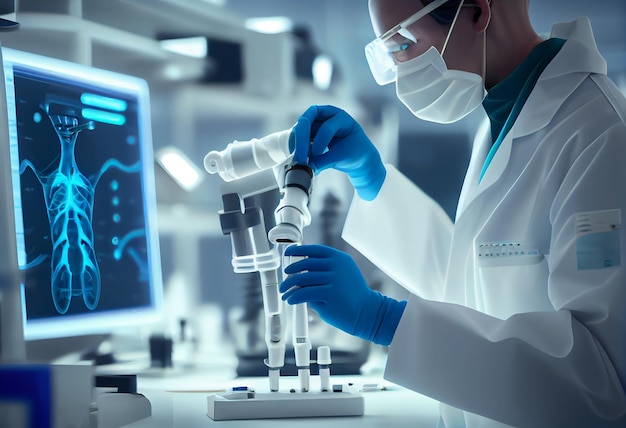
(517, 314)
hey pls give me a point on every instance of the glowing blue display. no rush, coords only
(81, 157)
(104, 116)
(106, 103)
(69, 197)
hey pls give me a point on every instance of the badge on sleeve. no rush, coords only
(598, 239)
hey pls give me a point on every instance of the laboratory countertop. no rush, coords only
(179, 399)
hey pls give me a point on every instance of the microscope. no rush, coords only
(259, 175)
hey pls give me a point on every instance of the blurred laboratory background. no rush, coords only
(225, 70)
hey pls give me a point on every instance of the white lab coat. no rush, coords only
(513, 314)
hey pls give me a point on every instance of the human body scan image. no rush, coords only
(77, 157)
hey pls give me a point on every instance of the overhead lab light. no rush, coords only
(179, 167)
(322, 72)
(270, 25)
(195, 47)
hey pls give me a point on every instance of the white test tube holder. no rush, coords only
(326, 402)
(275, 405)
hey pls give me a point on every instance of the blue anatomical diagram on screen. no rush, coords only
(81, 187)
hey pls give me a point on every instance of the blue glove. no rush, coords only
(331, 283)
(338, 142)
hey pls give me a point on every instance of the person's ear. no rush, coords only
(482, 15)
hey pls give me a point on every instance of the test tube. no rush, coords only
(302, 344)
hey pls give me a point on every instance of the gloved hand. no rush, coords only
(338, 142)
(331, 283)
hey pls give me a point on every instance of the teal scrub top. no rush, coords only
(504, 101)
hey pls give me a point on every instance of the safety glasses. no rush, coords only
(379, 52)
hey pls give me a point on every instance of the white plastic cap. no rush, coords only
(323, 355)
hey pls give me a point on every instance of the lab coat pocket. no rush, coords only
(514, 284)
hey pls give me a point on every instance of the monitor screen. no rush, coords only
(84, 197)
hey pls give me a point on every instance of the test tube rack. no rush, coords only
(274, 405)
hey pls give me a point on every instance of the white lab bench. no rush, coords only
(180, 400)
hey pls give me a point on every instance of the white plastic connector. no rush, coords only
(243, 158)
(285, 233)
(292, 216)
(323, 355)
(293, 209)
(275, 361)
(274, 376)
(323, 362)
(276, 355)
(304, 375)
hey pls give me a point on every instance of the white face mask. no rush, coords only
(434, 93)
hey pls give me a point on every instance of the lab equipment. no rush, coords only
(83, 202)
(301, 342)
(352, 151)
(241, 163)
(252, 172)
(251, 405)
(292, 215)
(323, 362)
(84, 197)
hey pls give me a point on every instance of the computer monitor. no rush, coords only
(84, 197)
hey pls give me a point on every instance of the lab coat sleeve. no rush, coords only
(561, 368)
(404, 232)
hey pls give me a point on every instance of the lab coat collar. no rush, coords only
(578, 57)
(581, 55)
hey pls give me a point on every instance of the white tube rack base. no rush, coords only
(274, 405)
